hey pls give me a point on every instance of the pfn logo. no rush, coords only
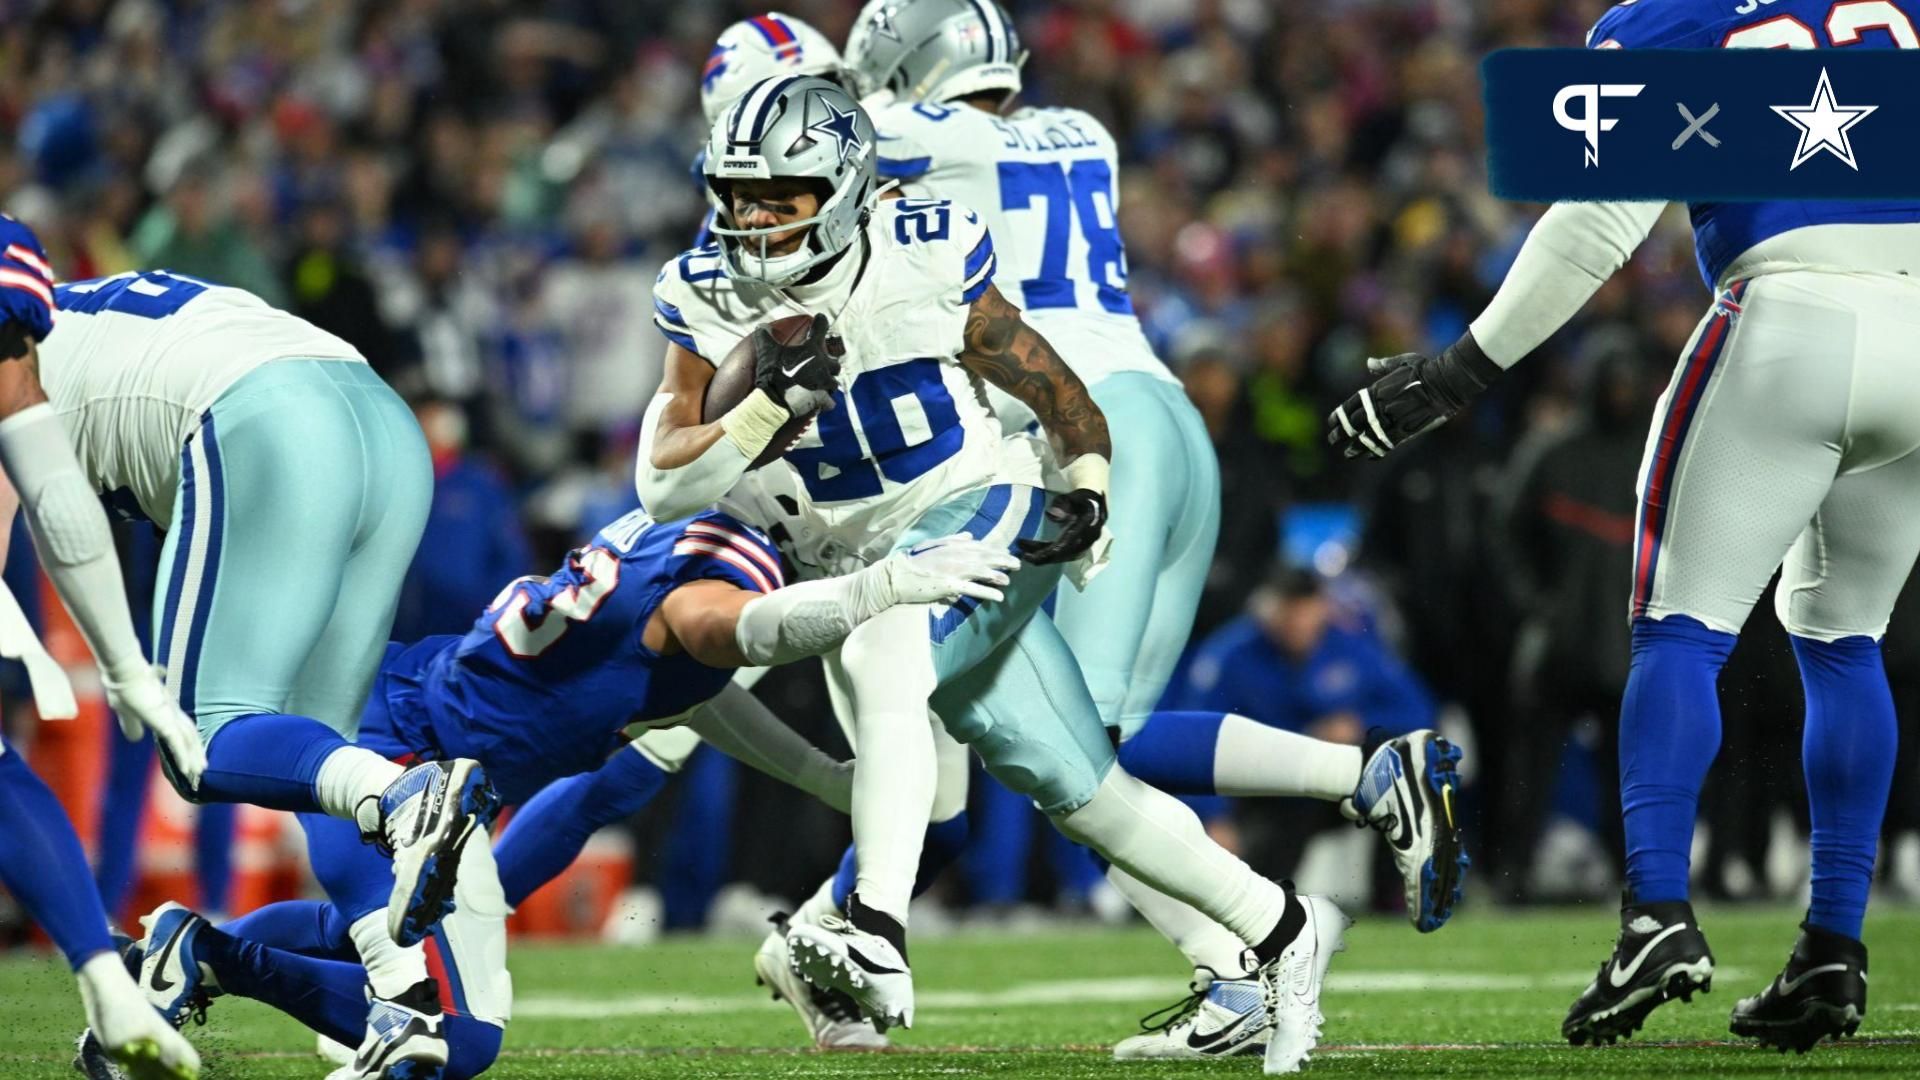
(1590, 123)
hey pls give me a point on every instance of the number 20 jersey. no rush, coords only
(910, 428)
(135, 359)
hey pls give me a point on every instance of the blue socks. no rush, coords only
(1848, 755)
(945, 840)
(1669, 733)
(268, 759)
(1175, 752)
(546, 834)
(42, 865)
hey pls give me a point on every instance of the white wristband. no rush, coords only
(1089, 471)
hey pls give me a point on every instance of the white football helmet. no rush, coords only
(758, 48)
(935, 50)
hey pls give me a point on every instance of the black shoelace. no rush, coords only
(1168, 1018)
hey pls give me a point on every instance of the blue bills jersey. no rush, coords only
(1724, 231)
(556, 668)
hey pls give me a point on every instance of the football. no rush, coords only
(733, 381)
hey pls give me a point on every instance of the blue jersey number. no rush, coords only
(151, 294)
(1081, 192)
(929, 217)
(839, 469)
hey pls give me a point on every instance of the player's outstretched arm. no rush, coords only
(723, 625)
(741, 726)
(1002, 349)
(1571, 251)
(75, 544)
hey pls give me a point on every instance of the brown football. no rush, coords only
(733, 381)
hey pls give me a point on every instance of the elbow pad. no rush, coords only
(671, 494)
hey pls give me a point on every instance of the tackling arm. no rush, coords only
(1573, 249)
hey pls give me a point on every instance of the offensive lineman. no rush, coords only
(908, 450)
(41, 860)
(941, 77)
(1786, 439)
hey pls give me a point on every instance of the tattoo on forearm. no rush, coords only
(1002, 349)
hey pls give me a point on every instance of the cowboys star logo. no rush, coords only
(838, 126)
(1823, 125)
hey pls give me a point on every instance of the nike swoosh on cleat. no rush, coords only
(1788, 986)
(1620, 976)
(1218, 1039)
(159, 981)
(870, 964)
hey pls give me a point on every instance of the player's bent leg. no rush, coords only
(549, 830)
(1224, 1015)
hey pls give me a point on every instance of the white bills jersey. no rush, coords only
(136, 358)
(1046, 181)
(910, 428)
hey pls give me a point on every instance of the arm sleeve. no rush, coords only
(811, 617)
(1573, 249)
(745, 729)
(71, 533)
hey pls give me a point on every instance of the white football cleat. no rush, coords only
(832, 1018)
(1291, 984)
(1408, 793)
(426, 817)
(836, 955)
(405, 1038)
(126, 1030)
(1223, 1018)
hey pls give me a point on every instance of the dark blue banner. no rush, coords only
(1710, 125)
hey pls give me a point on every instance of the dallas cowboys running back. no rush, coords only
(639, 626)
(944, 75)
(1786, 439)
(907, 450)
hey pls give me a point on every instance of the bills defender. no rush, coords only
(643, 625)
(901, 448)
(41, 861)
(942, 77)
(1786, 440)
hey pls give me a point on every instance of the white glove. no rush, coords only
(143, 702)
(944, 570)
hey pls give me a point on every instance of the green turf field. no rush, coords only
(1483, 997)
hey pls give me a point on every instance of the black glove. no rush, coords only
(801, 376)
(1081, 514)
(1410, 394)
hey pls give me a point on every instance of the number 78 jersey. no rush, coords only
(1046, 182)
(909, 429)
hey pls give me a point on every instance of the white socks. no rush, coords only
(1255, 759)
(1157, 839)
(1205, 943)
(391, 968)
(889, 668)
(348, 776)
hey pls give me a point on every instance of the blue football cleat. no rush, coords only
(169, 975)
(426, 818)
(1410, 792)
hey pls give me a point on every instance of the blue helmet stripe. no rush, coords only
(760, 120)
(992, 27)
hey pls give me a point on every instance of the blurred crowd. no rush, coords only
(477, 193)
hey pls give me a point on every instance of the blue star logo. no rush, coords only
(838, 126)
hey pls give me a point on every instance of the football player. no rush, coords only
(41, 861)
(644, 624)
(1044, 181)
(295, 485)
(903, 448)
(1786, 440)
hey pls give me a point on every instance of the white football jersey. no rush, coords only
(1046, 181)
(910, 428)
(137, 358)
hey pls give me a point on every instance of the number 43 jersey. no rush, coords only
(910, 428)
(558, 666)
(135, 359)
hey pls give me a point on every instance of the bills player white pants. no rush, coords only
(1787, 439)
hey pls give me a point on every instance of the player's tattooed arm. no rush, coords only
(1002, 349)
